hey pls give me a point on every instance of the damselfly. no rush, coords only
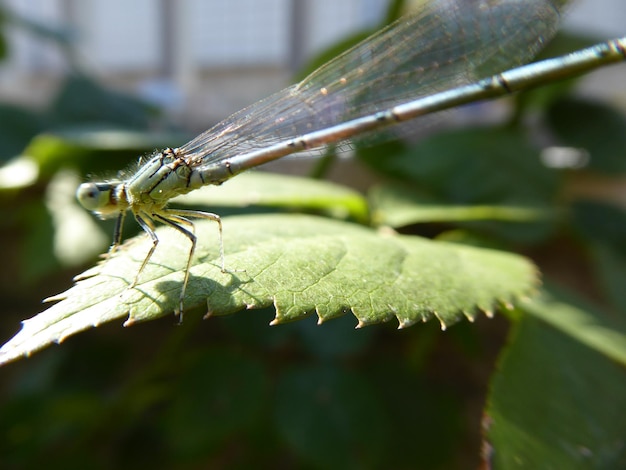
(441, 56)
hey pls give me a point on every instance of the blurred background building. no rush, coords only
(202, 59)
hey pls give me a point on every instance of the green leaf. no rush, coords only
(397, 206)
(82, 100)
(337, 421)
(600, 133)
(555, 400)
(94, 150)
(275, 190)
(298, 264)
(603, 226)
(218, 386)
(61, 35)
(610, 268)
(600, 222)
(335, 341)
(498, 166)
(18, 127)
(582, 321)
(4, 49)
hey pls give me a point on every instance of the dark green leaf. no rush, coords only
(274, 190)
(332, 419)
(4, 49)
(583, 322)
(83, 101)
(610, 264)
(398, 206)
(604, 228)
(220, 395)
(61, 35)
(474, 166)
(95, 150)
(597, 128)
(337, 339)
(601, 223)
(18, 126)
(556, 401)
(412, 395)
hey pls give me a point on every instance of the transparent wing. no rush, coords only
(445, 43)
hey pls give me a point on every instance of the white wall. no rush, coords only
(603, 18)
(205, 58)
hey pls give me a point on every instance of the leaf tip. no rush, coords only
(469, 316)
(55, 298)
(278, 319)
(444, 327)
(89, 273)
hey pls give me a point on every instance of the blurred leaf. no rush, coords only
(3, 40)
(332, 418)
(245, 327)
(467, 237)
(602, 132)
(37, 244)
(95, 150)
(18, 126)
(601, 222)
(220, 395)
(565, 42)
(336, 340)
(582, 321)
(473, 166)
(610, 264)
(299, 264)
(604, 228)
(18, 174)
(398, 206)
(541, 97)
(4, 49)
(84, 101)
(504, 198)
(555, 401)
(395, 9)
(275, 190)
(47, 32)
(412, 396)
(523, 234)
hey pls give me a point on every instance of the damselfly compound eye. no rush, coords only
(93, 196)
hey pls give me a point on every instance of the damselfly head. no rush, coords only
(98, 197)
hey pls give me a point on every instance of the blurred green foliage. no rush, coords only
(234, 393)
